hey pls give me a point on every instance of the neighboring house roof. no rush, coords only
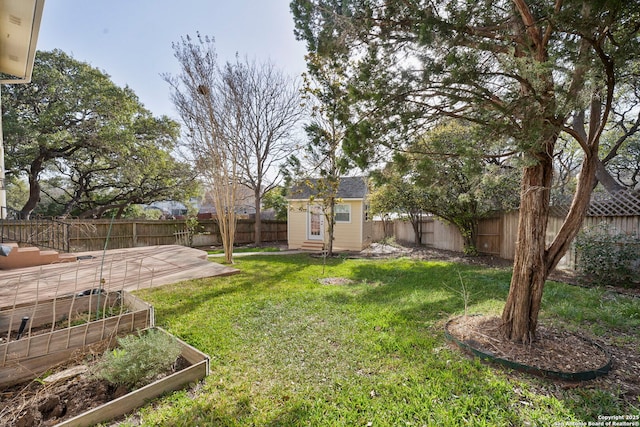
(352, 187)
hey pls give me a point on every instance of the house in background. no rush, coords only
(245, 204)
(170, 209)
(306, 221)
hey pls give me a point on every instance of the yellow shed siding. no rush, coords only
(297, 224)
(348, 235)
(354, 235)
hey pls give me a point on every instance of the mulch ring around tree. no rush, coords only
(567, 357)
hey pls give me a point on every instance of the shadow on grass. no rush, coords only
(266, 272)
(291, 417)
(433, 289)
(382, 333)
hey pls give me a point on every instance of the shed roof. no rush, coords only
(349, 187)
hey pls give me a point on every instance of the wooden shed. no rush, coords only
(306, 222)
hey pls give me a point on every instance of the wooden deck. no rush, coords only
(129, 269)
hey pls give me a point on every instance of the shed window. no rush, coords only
(343, 213)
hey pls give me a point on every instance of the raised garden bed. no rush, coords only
(73, 395)
(197, 370)
(51, 336)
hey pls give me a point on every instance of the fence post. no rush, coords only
(134, 232)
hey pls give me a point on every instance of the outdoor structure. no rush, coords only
(306, 223)
(245, 204)
(19, 27)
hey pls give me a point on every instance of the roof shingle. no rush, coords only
(350, 187)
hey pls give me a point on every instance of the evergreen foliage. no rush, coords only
(607, 257)
(524, 71)
(94, 143)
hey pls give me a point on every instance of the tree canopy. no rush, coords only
(396, 193)
(91, 139)
(323, 161)
(522, 70)
(452, 173)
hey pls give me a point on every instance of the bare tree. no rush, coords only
(205, 96)
(269, 110)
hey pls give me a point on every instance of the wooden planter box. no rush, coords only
(29, 357)
(198, 370)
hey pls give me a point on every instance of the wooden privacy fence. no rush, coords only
(497, 235)
(43, 233)
(91, 235)
(434, 233)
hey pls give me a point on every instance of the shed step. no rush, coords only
(312, 246)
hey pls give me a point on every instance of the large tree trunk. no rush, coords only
(604, 177)
(416, 218)
(469, 232)
(533, 259)
(34, 188)
(34, 198)
(520, 314)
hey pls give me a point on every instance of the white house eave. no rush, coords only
(19, 28)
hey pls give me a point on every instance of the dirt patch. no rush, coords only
(386, 250)
(43, 403)
(557, 350)
(337, 281)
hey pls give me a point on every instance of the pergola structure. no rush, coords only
(19, 27)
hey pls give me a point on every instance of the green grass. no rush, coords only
(288, 351)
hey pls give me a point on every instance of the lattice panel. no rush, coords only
(622, 203)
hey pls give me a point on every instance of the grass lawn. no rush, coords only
(287, 350)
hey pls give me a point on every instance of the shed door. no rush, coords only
(315, 226)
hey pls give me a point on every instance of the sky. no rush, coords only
(131, 39)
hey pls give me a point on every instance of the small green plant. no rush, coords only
(463, 292)
(193, 227)
(389, 240)
(608, 257)
(471, 250)
(138, 359)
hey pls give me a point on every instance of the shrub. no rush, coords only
(138, 359)
(389, 240)
(608, 257)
